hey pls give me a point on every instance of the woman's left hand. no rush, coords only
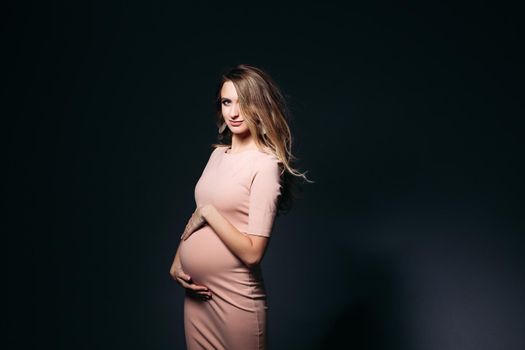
(196, 221)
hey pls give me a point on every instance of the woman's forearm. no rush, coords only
(239, 243)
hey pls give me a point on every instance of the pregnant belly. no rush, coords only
(203, 255)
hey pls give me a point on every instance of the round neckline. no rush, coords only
(234, 154)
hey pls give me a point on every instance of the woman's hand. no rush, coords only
(196, 221)
(192, 289)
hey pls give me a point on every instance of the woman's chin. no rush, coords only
(239, 131)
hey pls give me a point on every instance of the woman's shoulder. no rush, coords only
(216, 149)
(266, 161)
(268, 154)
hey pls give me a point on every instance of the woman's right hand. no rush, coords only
(195, 290)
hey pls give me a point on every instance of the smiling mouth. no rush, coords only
(236, 122)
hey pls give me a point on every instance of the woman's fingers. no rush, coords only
(204, 294)
(183, 275)
(200, 293)
(187, 235)
(198, 288)
(194, 288)
(191, 227)
(180, 275)
(185, 281)
(198, 296)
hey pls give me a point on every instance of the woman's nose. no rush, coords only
(234, 111)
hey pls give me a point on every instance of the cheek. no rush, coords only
(244, 128)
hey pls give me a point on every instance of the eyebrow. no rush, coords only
(226, 98)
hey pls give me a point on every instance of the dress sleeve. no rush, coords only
(264, 193)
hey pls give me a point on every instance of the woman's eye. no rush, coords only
(225, 102)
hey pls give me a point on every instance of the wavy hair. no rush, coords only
(266, 114)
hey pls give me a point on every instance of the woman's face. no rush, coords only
(230, 109)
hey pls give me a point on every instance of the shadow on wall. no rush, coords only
(373, 317)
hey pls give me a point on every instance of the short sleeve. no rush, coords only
(264, 193)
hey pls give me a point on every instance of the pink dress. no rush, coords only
(244, 187)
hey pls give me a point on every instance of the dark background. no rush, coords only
(406, 116)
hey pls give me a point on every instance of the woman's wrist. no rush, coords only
(205, 211)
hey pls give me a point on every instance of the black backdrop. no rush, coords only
(407, 117)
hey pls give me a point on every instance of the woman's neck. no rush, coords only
(240, 143)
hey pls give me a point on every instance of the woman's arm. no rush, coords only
(249, 248)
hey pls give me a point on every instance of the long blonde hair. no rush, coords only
(265, 112)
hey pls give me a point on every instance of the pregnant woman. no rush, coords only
(244, 184)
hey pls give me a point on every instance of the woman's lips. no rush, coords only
(236, 123)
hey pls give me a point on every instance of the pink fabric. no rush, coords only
(244, 187)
